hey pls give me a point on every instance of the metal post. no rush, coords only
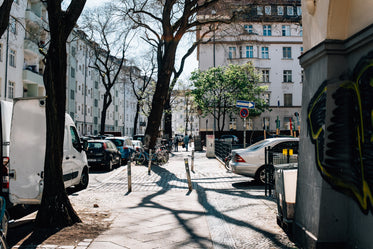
(192, 160)
(188, 174)
(244, 133)
(150, 161)
(213, 12)
(129, 178)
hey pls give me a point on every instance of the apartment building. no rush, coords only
(21, 72)
(184, 114)
(268, 34)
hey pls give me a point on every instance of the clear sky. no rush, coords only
(191, 63)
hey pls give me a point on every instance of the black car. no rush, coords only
(103, 154)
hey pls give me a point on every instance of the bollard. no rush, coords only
(193, 161)
(129, 178)
(150, 161)
(188, 174)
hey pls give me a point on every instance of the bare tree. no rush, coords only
(110, 38)
(165, 22)
(4, 15)
(56, 209)
(141, 86)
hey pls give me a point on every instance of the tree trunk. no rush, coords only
(55, 209)
(136, 118)
(168, 118)
(105, 106)
(4, 15)
(165, 69)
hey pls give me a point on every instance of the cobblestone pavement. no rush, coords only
(224, 210)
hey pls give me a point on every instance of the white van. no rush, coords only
(27, 153)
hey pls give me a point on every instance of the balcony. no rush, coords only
(32, 17)
(31, 77)
(31, 47)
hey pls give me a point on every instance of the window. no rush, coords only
(302, 76)
(249, 28)
(72, 94)
(265, 75)
(96, 102)
(288, 99)
(286, 53)
(96, 84)
(301, 31)
(13, 25)
(73, 52)
(11, 86)
(1, 52)
(259, 10)
(12, 58)
(280, 10)
(265, 53)
(267, 97)
(267, 10)
(232, 52)
(240, 51)
(267, 30)
(287, 76)
(299, 11)
(285, 30)
(72, 72)
(290, 10)
(249, 52)
(75, 139)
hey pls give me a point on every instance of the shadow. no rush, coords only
(210, 209)
(31, 236)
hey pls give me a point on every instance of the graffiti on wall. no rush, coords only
(343, 136)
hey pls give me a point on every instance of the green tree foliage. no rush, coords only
(216, 91)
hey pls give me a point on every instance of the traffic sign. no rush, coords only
(244, 112)
(245, 104)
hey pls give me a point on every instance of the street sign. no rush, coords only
(244, 112)
(245, 104)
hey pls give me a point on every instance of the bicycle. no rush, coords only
(158, 157)
(227, 159)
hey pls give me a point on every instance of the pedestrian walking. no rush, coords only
(186, 141)
(176, 142)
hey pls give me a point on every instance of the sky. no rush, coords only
(191, 63)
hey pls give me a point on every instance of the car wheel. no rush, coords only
(84, 179)
(260, 175)
(110, 165)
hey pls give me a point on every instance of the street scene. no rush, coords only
(186, 124)
(223, 210)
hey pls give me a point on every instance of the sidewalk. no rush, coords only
(222, 211)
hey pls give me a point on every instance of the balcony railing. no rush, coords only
(31, 77)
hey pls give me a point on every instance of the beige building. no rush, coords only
(334, 197)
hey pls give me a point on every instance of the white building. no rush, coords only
(270, 36)
(21, 72)
(184, 114)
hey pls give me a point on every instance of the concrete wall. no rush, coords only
(325, 217)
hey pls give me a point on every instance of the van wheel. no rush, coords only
(84, 179)
(5, 223)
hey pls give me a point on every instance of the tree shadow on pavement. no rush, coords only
(209, 209)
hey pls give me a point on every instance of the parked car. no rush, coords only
(103, 154)
(137, 145)
(125, 147)
(139, 137)
(250, 161)
(229, 138)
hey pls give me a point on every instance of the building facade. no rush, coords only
(268, 34)
(22, 68)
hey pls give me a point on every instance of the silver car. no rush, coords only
(250, 161)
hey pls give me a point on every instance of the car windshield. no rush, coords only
(258, 145)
